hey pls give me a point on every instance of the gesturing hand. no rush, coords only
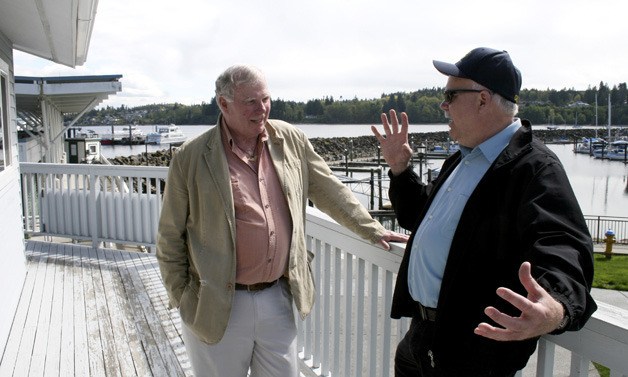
(394, 145)
(540, 312)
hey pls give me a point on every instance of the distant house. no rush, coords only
(578, 104)
(60, 31)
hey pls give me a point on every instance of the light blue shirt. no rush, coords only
(430, 248)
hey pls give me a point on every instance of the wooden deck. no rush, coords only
(88, 312)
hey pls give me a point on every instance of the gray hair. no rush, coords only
(234, 76)
(509, 108)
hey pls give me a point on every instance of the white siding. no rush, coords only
(12, 266)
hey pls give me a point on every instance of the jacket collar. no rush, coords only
(519, 145)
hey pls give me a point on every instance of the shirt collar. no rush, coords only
(227, 134)
(492, 147)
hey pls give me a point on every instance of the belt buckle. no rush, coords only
(257, 287)
(253, 287)
(423, 312)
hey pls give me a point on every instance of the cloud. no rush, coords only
(173, 51)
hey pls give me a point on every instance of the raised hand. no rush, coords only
(394, 144)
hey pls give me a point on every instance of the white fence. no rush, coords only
(349, 332)
(102, 203)
(353, 335)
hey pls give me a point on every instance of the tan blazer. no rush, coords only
(196, 240)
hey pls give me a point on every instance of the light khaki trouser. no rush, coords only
(261, 336)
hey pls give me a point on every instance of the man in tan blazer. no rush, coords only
(231, 244)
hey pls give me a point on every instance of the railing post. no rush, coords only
(360, 314)
(379, 180)
(372, 182)
(93, 210)
(579, 366)
(545, 360)
(348, 309)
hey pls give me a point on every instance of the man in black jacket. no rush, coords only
(500, 253)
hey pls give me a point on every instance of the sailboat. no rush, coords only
(551, 126)
(618, 149)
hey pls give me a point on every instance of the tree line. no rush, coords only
(559, 107)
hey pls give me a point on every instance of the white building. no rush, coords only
(60, 31)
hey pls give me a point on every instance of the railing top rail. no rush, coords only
(96, 169)
(602, 217)
(338, 236)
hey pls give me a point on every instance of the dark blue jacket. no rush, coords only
(523, 209)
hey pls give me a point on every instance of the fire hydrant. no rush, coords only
(610, 240)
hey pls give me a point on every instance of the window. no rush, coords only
(5, 139)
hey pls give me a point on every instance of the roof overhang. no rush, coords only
(57, 30)
(72, 94)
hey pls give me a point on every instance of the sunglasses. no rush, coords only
(450, 94)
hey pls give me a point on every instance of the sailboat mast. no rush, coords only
(609, 117)
(595, 109)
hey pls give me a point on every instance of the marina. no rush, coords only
(601, 186)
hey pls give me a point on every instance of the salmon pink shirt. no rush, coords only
(263, 222)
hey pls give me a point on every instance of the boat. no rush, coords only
(617, 155)
(128, 135)
(163, 135)
(438, 151)
(589, 145)
(617, 150)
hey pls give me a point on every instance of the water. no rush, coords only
(601, 186)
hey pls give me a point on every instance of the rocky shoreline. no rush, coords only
(335, 149)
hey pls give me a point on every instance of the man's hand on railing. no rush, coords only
(540, 312)
(391, 236)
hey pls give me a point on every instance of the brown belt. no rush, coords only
(425, 313)
(254, 287)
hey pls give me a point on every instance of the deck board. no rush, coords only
(145, 277)
(26, 357)
(68, 342)
(103, 317)
(53, 345)
(94, 345)
(81, 358)
(93, 312)
(122, 320)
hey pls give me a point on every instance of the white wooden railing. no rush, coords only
(346, 334)
(102, 203)
(353, 335)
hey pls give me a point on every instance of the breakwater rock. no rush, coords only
(158, 158)
(335, 149)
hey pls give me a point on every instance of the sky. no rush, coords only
(172, 51)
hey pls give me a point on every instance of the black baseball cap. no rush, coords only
(488, 67)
